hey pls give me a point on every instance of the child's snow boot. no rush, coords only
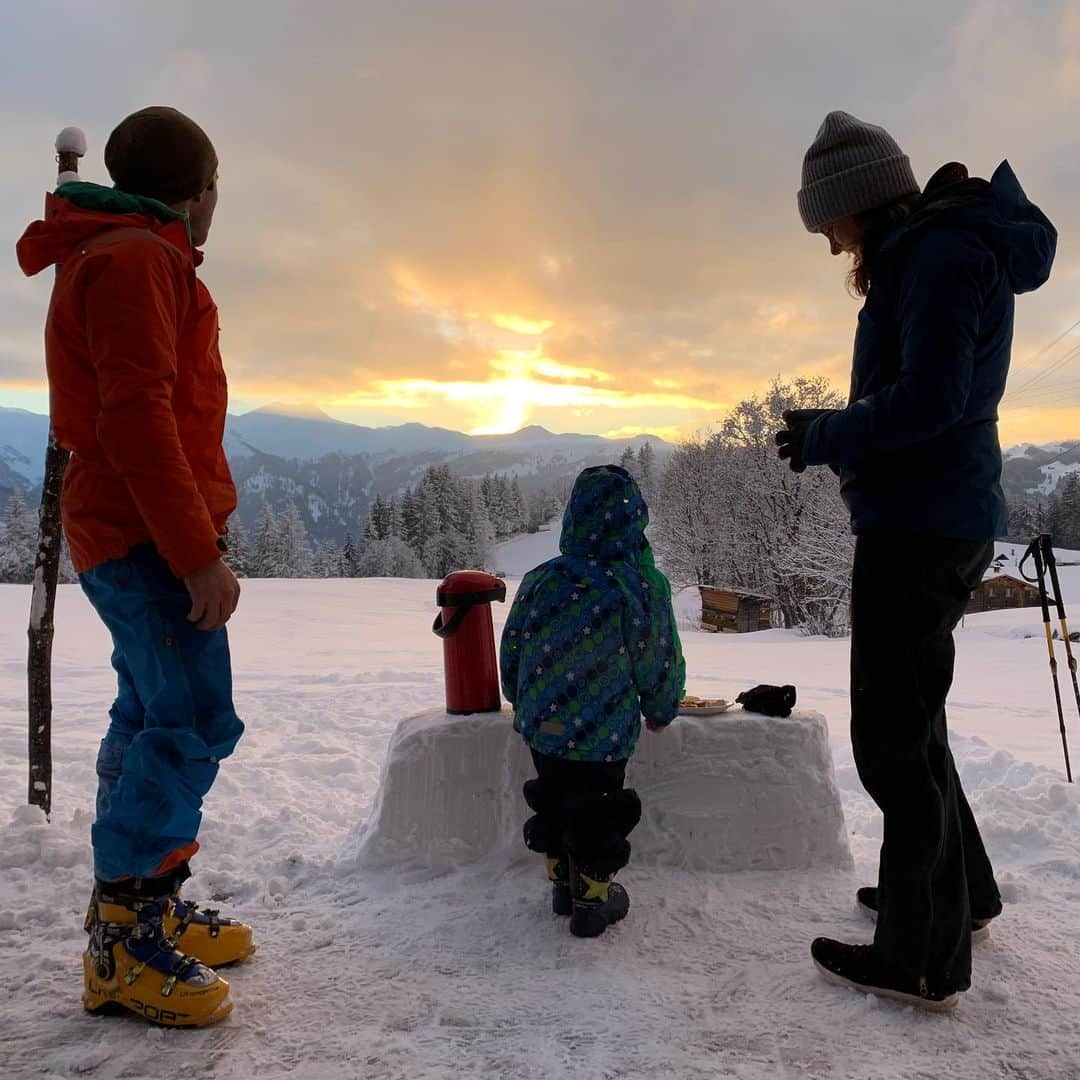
(598, 902)
(130, 962)
(558, 869)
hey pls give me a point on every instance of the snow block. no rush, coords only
(731, 792)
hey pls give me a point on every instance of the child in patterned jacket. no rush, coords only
(590, 647)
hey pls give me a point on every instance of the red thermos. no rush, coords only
(468, 636)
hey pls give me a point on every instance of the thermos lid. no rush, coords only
(470, 587)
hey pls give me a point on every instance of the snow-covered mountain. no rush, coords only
(333, 470)
(1035, 471)
(23, 437)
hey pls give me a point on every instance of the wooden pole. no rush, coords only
(70, 146)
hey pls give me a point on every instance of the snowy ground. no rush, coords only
(373, 974)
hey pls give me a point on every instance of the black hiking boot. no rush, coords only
(866, 898)
(597, 902)
(558, 869)
(858, 967)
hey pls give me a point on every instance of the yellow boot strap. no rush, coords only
(551, 864)
(116, 913)
(595, 890)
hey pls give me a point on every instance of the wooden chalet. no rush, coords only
(1000, 592)
(734, 611)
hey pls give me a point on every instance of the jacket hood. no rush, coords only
(76, 212)
(605, 517)
(1014, 228)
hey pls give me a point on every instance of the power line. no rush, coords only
(1046, 372)
(1045, 349)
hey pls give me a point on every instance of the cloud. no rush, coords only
(412, 192)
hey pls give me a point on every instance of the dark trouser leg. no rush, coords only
(581, 808)
(908, 596)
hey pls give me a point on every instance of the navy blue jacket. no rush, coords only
(918, 446)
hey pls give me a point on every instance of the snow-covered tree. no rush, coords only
(266, 559)
(350, 557)
(241, 556)
(730, 513)
(646, 465)
(391, 557)
(1064, 513)
(629, 462)
(295, 549)
(327, 561)
(18, 541)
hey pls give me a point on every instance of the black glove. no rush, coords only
(791, 439)
(769, 700)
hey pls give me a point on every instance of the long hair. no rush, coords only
(874, 226)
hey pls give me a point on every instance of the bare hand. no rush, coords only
(215, 592)
(656, 727)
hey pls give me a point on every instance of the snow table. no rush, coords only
(732, 792)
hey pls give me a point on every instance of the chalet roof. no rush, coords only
(995, 579)
(742, 594)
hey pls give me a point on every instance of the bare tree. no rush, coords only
(730, 513)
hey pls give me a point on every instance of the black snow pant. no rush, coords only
(908, 594)
(581, 809)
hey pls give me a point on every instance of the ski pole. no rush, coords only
(1035, 551)
(70, 146)
(1059, 602)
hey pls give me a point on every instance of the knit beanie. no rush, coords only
(852, 166)
(161, 154)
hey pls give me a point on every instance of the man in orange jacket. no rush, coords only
(138, 395)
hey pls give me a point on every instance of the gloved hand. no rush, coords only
(769, 700)
(791, 439)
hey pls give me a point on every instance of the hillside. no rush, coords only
(333, 470)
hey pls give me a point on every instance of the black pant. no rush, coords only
(908, 594)
(583, 810)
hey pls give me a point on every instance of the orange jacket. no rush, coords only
(137, 391)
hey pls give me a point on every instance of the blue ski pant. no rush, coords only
(172, 723)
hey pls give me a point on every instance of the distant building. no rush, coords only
(734, 611)
(999, 592)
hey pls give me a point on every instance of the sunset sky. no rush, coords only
(484, 215)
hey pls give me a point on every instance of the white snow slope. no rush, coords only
(387, 973)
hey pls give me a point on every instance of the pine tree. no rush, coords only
(350, 556)
(266, 553)
(240, 556)
(646, 463)
(327, 561)
(295, 547)
(18, 541)
(1064, 513)
(519, 509)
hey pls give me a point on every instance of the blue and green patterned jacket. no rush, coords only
(591, 645)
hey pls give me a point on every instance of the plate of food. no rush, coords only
(697, 706)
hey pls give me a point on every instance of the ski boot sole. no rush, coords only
(926, 1004)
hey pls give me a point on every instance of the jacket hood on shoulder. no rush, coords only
(1014, 228)
(76, 212)
(605, 517)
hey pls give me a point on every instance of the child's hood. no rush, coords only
(605, 517)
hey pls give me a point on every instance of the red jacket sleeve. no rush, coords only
(135, 302)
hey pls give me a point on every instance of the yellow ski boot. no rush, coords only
(131, 964)
(204, 934)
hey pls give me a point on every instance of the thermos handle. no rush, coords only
(444, 630)
(463, 604)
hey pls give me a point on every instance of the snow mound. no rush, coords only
(731, 792)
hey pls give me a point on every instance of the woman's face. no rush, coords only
(843, 235)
